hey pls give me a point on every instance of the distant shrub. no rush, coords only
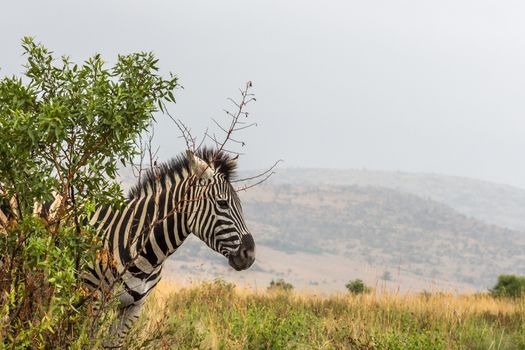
(427, 295)
(387, 276)
(357, 286)
(219, 283)
(280, 285)
(508, 286)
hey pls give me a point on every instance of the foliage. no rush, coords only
(280, 285)
(63, 128)
(509, 286)
(212, 316)
(357, 286)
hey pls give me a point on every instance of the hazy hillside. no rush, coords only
(376, 229)
(493, 203)
(321, 228)
(387, 228)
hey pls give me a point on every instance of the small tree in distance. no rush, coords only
(357, 286)
(386, 276)
(509, 286)
(280, 285)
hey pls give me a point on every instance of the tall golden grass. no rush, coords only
(218, 315)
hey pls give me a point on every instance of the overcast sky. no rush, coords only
(419, 86)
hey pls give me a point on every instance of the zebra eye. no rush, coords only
(223, 204)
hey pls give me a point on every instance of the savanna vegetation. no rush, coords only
(357, 286)
(280, 285)
(64, 128)
(510, 286)
(217, 315)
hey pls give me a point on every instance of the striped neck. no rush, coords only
(150, 227)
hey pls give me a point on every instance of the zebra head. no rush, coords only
(216, 216)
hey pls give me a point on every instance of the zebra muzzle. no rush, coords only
(245, 255)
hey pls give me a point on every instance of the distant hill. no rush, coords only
(385, 227)
(321, 228)
(493, 203)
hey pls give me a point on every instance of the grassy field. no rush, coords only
(217, 315)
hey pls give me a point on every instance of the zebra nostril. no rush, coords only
(247, 254)
(243, 259)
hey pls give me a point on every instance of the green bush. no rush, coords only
(357, 286)
(64, 127)
(280, 285)
(509, 286)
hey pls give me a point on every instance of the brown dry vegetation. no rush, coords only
(218, 315)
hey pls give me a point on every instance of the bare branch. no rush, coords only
(259, 175)
(246, 187)
(186, 134)
(233, 152)
(236, 123)
(242, 143)
(235, 116)
(219, 125)
(145, 147)
(203, 139)
(244, 127)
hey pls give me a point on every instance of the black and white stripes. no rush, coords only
(190, 194)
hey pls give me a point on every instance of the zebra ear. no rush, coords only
(199, 167)
(232, 163)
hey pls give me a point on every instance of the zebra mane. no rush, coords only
(222, 163)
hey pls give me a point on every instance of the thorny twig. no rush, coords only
(145, 146)
(265, 175)
(236, 124)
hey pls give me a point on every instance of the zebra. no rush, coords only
(191, 194)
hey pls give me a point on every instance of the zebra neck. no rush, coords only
(168, 227)
(149, 228)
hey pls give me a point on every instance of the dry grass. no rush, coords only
(219, 315)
